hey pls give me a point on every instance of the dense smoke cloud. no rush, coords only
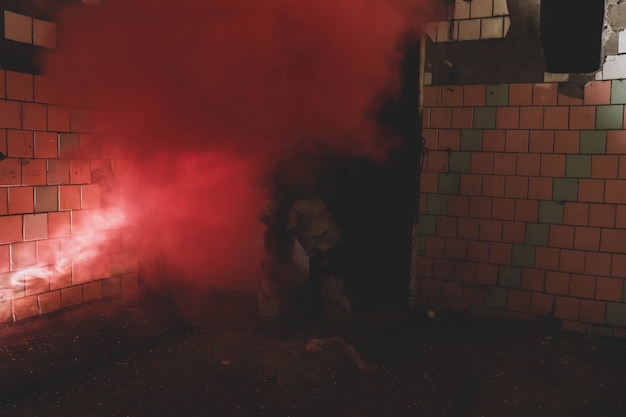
(208, 96)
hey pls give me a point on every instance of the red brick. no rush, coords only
(516, 141)
(474, 95)
(591, 190)
(486, 274)
(513, 232)
(602, 215)
(616, 142)
(507, 117)
(20, 144)
(35, 226)
(431, 288)
(4, 203)
(92, 291)
(90, 196)
(557, 282)
(566, 141)
(518, 300)
(82, 222)
(493, 185)
(37, 284)
(33, 116)
(504, 164)
(540, 188)
(452, 95)
(493, 140)
(428, 182)
(541, 141)
(471, 184)
(10, 114)
(449, 139)
(58, 172)
(592, 311)
(572, 261)
(5, 258)
(582, 117)
(26, 307)
(576, 214)
(440, 117)
(478, 251)
(464, 271)
(50, 302)
(621, 171)
(533, 279)
(544, 94)
(620, 217)
(609, 289)
(502, 315)
(62, 279)
(531, 118)
(482, 163)
(426, 118)
(526, 210)
(19, 86)
(47, 252)
(458, 206)
(615, 191)
(23, 255)
(81, 273)
(503, 209)
(21, 200)
(452, 291)
(556, 118)
(10, 229)
(69, 197)
(597, 92)
(431, 139)
(516, 187)
(455, 249)
(437, 161)
(480, 207)
(34, 172)
(528, 164)
(432, 96)
(59, 224)
(582, 286)
(474, 294)
(618, 265)
(561, 236)
(71, 296)
(435, 246)
(552, 165)
(604, 166)
(573, 326)
(80, 171)
(446, 226)
(46, 89)
(58, 119)
(547, 258)
(2, 84)
(613, 240)
(490, 230)
(541, 304)
(597, 263)
(90, 147)
(462, 118)
(566, 308)
(587, 238)
(500, 253)
(520, 94)
(467, 228)
(46, 145)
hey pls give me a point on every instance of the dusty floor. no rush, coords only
(144, 362)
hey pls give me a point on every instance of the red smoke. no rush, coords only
(211, 94)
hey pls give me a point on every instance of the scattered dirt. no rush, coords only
(145, 361)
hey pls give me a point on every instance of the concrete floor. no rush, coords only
(143, 360)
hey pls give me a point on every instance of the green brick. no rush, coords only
(471, 140)
(550, 212)
(578, 166)
(537, 234)
(437, 204)
(448, 184)
(610, 117)
(509, 277)
(427, 224)
(565, 189)
(459, 161)
(593, 141)
(485, 117)
(480, 311)
(616, 314)
(496, 297)
(618, 92)
(497, 95)
(523, 255)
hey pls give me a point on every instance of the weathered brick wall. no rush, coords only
(59, 244)
(523, 203)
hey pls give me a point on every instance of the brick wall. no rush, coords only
(523, 203)
(59, 246)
